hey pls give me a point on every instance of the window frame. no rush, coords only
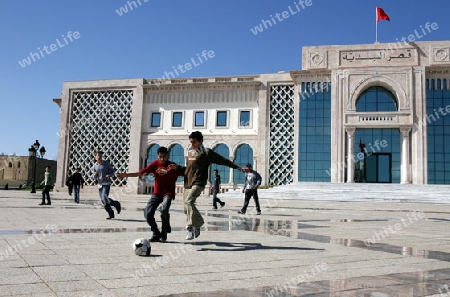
(227, 113)
(160, 119)
(250, 119)
(194, 124)
(182, 119)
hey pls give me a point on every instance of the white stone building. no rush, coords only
(353, 113)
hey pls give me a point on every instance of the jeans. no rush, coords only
(193, 216)
(248, 194)
(106, 201)
(149, 213)
(76, 192)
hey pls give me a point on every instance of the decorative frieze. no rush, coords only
(439, 55)
(317, 59)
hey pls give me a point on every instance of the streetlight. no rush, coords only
(32, 151)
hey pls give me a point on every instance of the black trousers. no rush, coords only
(248, 195)
(46, 194)
(215, 198)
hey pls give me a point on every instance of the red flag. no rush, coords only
(381, 15)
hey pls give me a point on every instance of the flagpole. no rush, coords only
(376, 25)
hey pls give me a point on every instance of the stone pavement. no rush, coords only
(312, 239)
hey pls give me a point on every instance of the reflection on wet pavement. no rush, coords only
(399, 284)
(267, 226)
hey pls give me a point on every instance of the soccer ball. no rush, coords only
(142, 247)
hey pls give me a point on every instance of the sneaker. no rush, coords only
(258, 213)
(109, 218)
(214, 208)
(41, 203)
(118, 207)
(190, 234)
(163, 237)
(155, 238)
(49, 203)
(241, 212)
(197, 232)
(222, 204)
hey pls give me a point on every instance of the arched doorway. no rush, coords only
(377, 157)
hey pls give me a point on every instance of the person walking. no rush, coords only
(195, 179)
(48, 183)
(77, 183)
(252, 181)
(69, 185)
(103, 172)
(163, 192)
(216, 189)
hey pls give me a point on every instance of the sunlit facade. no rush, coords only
(358, 113)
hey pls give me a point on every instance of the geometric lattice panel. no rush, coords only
(281, 146)
(100, 120)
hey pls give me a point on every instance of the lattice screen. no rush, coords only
(281, 151)
(100, 120)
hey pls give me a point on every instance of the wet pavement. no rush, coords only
(309, 246)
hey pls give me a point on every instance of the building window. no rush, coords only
(243, 155)
(177, 119)
(224, 171)
(156, 119)
(199, 119)
(151, 155)
(315, 134)
(221, 120)
(177, 156)
(244, 118)
(376, 99)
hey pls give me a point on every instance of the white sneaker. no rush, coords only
(197, 232)
(190, 234)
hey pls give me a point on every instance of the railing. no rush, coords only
(378, 119)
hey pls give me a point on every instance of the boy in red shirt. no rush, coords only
(163, 192)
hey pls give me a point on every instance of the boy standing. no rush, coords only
(163, 192)
(77, 183)
(48, 183)
(103, 172)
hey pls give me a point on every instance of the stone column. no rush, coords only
(350, 153)
(231, 182)
(404, 167)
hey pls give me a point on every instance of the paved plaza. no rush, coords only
(312, 239)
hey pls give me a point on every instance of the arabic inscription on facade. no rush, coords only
(382, 57)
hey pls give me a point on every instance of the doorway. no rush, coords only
(378, 168)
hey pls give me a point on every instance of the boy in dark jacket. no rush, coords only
(195, 179)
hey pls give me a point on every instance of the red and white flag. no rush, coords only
(381, 15)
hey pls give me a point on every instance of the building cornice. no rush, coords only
(310, 75)
(184, 84)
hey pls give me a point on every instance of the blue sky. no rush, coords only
(108, 43)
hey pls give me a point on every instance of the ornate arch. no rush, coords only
(175, 142)
(378, 81)
(234, 147)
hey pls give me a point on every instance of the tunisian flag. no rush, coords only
(381, 15)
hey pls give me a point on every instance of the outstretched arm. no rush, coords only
(218, 159)
(177, 167)
(132, 174)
